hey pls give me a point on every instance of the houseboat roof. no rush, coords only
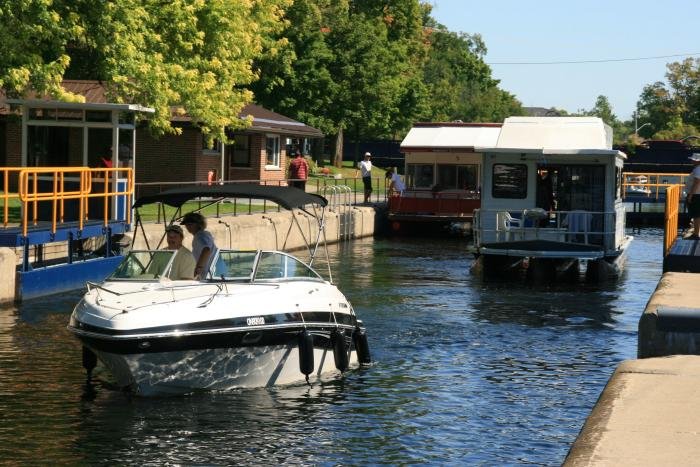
(554, 135)
(457, 135)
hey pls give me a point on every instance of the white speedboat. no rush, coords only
(261, 318)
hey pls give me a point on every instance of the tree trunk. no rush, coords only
(338, 156)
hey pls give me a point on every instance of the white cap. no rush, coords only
(367, 154)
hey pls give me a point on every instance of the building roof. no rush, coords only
(263, 120)
(457, 135)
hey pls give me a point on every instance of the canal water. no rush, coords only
(465, 372)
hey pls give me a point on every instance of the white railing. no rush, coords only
(581, 227)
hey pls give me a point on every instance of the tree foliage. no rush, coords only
(196, 54)
(672, 109)
(459, 82)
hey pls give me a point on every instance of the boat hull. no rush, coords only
(176, 364)
(180, 372)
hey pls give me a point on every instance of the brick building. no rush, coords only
(259, 152)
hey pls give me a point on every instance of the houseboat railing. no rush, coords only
(537, 224)
(434, 202)
(671, 217)
(27, 187)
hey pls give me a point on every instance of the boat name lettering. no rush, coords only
(256, 321)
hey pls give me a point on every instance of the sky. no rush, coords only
(577, 30)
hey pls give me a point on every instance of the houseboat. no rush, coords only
(442, 174)
(551, 200)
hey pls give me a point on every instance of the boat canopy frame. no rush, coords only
(289, 198)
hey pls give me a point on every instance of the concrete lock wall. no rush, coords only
(246, 232)
(670, 323)
(269, 231)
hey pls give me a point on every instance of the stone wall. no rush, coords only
(246, 232)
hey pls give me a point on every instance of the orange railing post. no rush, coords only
(671, 217)
(58, 193)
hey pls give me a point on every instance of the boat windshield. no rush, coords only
(144, 265)
(260, 266)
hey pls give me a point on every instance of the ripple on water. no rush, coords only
(465, 373)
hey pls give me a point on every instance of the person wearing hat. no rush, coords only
(203, 246)
(183, 263)
(365, 167)
(693, 199)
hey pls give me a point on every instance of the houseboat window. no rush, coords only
(272, 148)
(240, 151)
(419, 176)
(509, 181)
(581, 187)
(457, 177)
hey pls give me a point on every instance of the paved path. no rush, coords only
(648, 415)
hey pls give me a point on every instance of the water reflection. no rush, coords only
(465, 372)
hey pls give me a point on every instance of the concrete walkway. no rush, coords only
(648, 414)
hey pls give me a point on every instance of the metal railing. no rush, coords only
(650, 185)
(339, 200)
(352, 191)
(671, 217)
(56, 185)
(582, 227)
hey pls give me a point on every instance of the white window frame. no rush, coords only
(277, 152)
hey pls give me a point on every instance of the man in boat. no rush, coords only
(203, 246)
(183, 264)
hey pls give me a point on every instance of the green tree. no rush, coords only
(459, 82)
(193, 54)
(355, 67)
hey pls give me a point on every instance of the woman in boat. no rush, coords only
(203, 246)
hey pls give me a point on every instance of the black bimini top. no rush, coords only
(287, 197)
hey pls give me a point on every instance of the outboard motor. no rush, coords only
(340, 350)
(306, 353)
(359, 338)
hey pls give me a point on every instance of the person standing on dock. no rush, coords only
(365, 167)
(693, 200)
(298, 171)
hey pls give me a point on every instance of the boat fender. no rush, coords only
(340, 350)
(89, 361)
(359, 338)
(306, 353)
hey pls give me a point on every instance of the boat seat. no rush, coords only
(505, 223)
